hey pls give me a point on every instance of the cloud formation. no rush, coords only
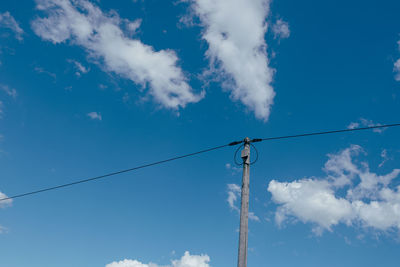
(43, 71)
(82, 23)
(234, 192)
(385, 158)
(95, 116)
(397, 67)
(5, 203)
(187, 260)
(9, 91)
(397, 70)
(281, 29)
(234, 31)
(80, 69)
(8, 21)
(370, 200)
(1, 109)
(366, 123)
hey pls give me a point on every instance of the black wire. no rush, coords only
(193, 154)
(234, 157)
(237, 150)
(255, 149)
(327, 132)
(114, 173)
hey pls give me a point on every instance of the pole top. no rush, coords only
(246, 150)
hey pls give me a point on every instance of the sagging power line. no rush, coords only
(193, 154)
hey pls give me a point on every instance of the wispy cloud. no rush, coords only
(187, 260)
(1, 109)
(234, 31)
(5, 203)
(101, 35)
(43, 71)
(365, 123)
(397, 70)
(80, 69)
(397, 67)
(370, 200)
(8, 21)
(234, 192)
(133, 26)
(385, 158)
(234, 170)
(281, 29)
(95, 116)
(253, 216)
(9, 91)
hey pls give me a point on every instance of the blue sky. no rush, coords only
(90, 87)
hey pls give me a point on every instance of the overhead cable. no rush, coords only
(113, 173)
(193, 154)
(326, 132)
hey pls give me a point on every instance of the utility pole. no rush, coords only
(244, 209)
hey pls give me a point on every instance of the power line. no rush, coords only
(327, 132)
(114, 173)
(193, 154)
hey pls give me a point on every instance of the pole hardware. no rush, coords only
(243, 146)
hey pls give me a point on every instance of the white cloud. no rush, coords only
(385, 158)
(95, 116)
(366, 123)
(397, 70)
(310, 201)
(234, 31)
(187, 260)
(84, 24)
(9, 91)
(353, 125)
(253, 217)
(281, 29)
(1, 109)
(130, 263)
(234, 170)
(8, 21)
(133, 26)
(234, 192)
(43, 71)
(370, 200)
(340, 167)
(5, 203)
(192, 261)
(80, 69)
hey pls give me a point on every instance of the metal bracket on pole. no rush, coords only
(246, 151)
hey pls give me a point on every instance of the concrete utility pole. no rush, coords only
(244, 210)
